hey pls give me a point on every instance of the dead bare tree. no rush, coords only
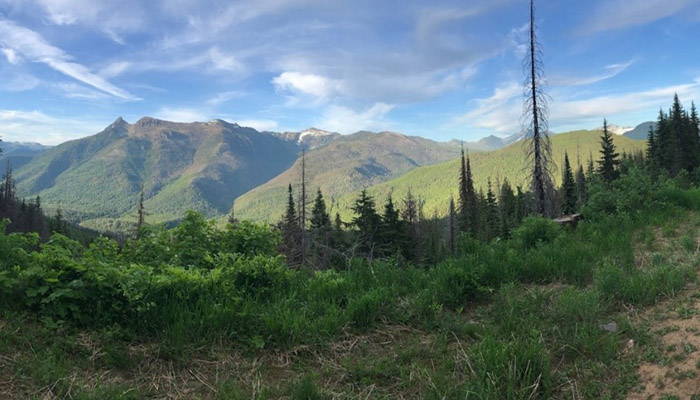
(538, 146)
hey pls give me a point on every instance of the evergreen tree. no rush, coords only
(609, 160)
(508, 207)
(141, 219)
(367, 222)
(320, 220)
(492, 223)
(452, 226)
(291, 232)
(581, 187)
(568, 189)
(321, 230)
(652, 152)
(411, 215)
(393, 230)
(468, 206)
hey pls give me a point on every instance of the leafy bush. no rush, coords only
(536, 231)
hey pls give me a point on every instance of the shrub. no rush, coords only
(535, 231)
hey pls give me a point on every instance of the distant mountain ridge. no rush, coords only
(18, 154)
(347, 163)
(203, 166)
(180, 166)
(641, 131)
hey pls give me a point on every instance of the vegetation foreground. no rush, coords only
(199, 312)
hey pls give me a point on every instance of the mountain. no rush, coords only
(346, 164)
(311, 138)
(641, 131)
(18, 154)
(617, 129)
(180, 166)
(436, 183)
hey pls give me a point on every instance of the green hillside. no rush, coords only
(180, 166)
(436, 183)
(347, 164)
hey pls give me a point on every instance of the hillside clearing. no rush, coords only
(463, 353)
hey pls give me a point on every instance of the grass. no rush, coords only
(380, 331)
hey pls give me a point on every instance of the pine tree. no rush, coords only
(468, 207)
(568, 189)
(411, 215)
(609, 159)
(320, 231)
(492, 223)
(367, 222)
(291, 232)
(452, 226)
(320, 219)
(581, 187)
(393, 230)
(141, 219)
(652, 150)
(508, 205)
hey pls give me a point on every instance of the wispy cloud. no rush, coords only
(619, 14)
(501, 111)
(36, 126)
(346, 120)
(32, 46)
(609, 72)
(224, 97)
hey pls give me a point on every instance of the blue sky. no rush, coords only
(441, 69)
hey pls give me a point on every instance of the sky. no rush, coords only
(442, 69)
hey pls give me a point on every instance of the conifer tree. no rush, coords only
(141, 218)
(321, 228)
(581, 187)
(468, 206)
(320, 219)
(609, 158)
(393, 230)
(492, 222)
(452, 225)
(291, 232)
(568, 189)
(411, 215)
(367, 222)
(507, 203)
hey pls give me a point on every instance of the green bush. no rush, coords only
(535, 231)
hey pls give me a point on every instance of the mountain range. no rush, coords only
(18, 154)
(205, 166)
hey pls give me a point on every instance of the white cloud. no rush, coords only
(32, 46)
(501, 112)
(346, 120)
(609, 72)
(619, 14)
(317, 86)
(76, 91)
(113, 18)
(19, 82)
(224, 97)
(182, 114)
(35, 126)
(114, 69)
(12, 56)
(260, 124)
